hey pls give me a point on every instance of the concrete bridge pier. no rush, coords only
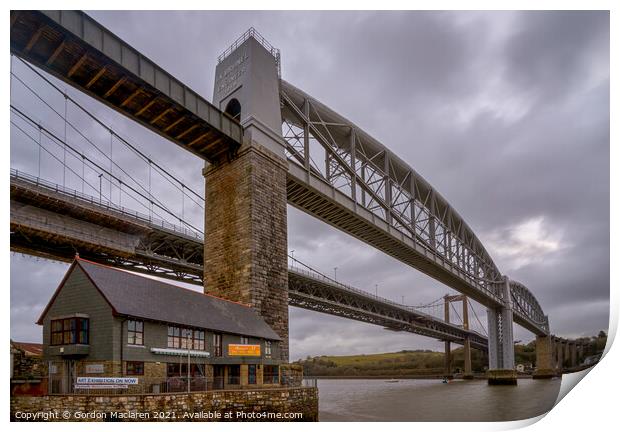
(560, 356)
(467, 372)
(546, 363)
(580, 355)
(573, 354)
(501, 343)
(447, 360)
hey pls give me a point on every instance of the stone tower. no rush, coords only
(245, 193)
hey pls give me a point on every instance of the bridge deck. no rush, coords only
(56, 223)
(76, 49)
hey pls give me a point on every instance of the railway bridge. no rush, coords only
(260, 138)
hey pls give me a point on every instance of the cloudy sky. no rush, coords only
(505, 113)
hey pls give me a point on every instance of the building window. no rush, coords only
(180, 370)
(134, 368)
(267, 348)
(245, 340)
(185, 338)
(174, 337)
(217, 344)
(70, 331)
(135, 332)
(199, 340)
(251, 374)
(271, 374)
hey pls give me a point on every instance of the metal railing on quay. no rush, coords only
(59, 386)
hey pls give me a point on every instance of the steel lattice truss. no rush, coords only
(525, 305)
(315, 292)
(361, 173)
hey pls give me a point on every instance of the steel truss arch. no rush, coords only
(374, 179)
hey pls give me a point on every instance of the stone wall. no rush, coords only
(245, 235)
(230, 405)
(26, 366)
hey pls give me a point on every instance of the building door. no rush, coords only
(234, 374)
(218, 377)
(251, 374)
(69, 375)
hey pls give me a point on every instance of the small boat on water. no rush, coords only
(391, 381)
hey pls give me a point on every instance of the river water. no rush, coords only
(431, 400)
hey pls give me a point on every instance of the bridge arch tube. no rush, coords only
(368, 192)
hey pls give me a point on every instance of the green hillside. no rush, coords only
(419, 362)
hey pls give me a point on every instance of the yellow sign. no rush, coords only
(243, 350)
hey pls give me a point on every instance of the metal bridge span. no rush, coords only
(54, 222)
(363, 188)
(359, 186)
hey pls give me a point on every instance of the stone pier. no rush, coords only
(545, 358)
(245, 192)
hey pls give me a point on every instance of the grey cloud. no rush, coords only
(505, 113)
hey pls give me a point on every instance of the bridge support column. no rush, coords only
(573, 354)
(447, 360)
(501, 344)
(545, 358)
(467, 372)
(560, 356)
(245, 193)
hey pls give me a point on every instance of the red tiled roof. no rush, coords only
(30, 348)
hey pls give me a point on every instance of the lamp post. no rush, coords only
(188, 358)
(100, 175)
(376, 290)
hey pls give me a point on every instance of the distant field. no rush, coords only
(419, 362)
(404, 363)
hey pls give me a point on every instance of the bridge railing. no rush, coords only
(251, 32)
(310, 272)
(53, 187)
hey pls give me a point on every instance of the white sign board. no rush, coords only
(106, 381)
(95, 368)
(100, 386)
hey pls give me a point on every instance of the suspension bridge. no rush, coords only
(260, 138)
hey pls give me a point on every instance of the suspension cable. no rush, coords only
(49, 152)
(108, 198)
(112, 176)
(169, 176)
(456, 312)
(112, 163)
(477, 319)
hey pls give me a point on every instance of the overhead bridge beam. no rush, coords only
(76, 49)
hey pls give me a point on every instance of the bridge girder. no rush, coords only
(76, 49)
(368, 192)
